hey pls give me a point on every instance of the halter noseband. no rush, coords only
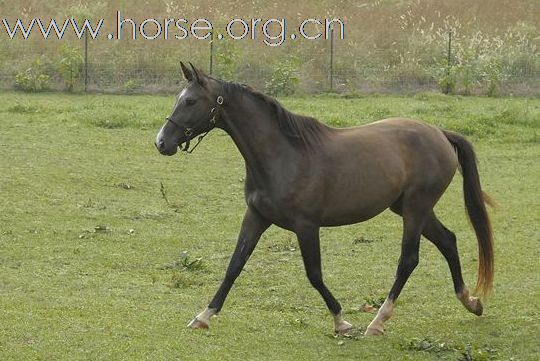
(188, 132)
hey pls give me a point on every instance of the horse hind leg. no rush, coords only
(445, 241)
(413, 223)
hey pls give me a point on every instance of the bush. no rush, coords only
(70, 66)
(131, 86)
(284, 80)
(446, 78)
(493, 74)
(32, 79)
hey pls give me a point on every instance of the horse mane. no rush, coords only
(301, 130)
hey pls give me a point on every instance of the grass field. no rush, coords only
(91, 263)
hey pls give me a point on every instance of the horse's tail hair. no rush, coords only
(475, 200)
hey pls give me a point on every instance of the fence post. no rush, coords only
(448, 63)
(211, 52)
(85, 61)
(332, 58)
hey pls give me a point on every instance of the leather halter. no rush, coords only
(188, 132)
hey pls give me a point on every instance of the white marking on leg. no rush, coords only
(340, 325)
(376, 327)
(202, 320)
(205, 315)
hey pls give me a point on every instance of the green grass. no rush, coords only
(91, 254)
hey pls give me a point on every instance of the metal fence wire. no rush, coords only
(457, 64)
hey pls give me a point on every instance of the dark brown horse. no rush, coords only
(302, 175)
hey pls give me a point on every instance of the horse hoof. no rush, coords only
(344, 328)
(371, 331)
(477, 308)
(197, 324)
(474, 305)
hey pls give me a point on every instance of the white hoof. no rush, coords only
(343, 328)
(203, 319)
(373, 331)
(197, 324)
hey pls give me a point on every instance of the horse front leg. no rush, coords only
(253, 226)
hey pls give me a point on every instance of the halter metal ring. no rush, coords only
(220, 100)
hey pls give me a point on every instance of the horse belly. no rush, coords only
(358, 193)
(358, 207)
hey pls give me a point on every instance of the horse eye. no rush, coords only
(190, 101)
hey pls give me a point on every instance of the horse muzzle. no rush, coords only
(167, 145)
(163, 149)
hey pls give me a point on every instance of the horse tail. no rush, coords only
(475, 200)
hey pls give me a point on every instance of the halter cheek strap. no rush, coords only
(188, 132)
(213, 120)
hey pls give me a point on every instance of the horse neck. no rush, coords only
(251, 126)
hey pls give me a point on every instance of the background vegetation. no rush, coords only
(108, 249)
(390, 46)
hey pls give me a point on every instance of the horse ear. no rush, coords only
(199, 75)
(187, 73)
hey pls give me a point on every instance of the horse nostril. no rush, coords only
(159, 144)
